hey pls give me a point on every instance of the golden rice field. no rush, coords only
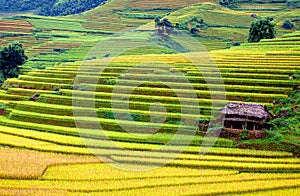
(103, 179)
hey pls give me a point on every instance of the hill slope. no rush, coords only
(255, 71)
(73, 70)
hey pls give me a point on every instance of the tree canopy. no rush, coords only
(11, 57)
(23, 5)
(262, 29)
(293, 3)
(59, 8)
(163, 25)
(228, 3)
(50, 7)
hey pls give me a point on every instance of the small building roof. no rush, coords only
(246, 110)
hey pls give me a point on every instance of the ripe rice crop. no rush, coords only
(26, 164)
(185, 185)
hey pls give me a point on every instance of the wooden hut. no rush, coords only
(245, 116)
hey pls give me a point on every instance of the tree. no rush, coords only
(262, 29)
(168, 25)
(11, 57)
(164, 25)
(157, 21)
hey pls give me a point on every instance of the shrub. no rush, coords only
(244, 135)
(194, 30)
(236, 44)
(287, 24)
(2, 106)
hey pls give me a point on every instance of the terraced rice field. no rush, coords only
(49, 154)
(260, 77)
(166, 4)
(259, 80)
(15, 26)
(228, 26)
(112, 16)
(190, 176)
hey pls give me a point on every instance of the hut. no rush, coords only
(245, 116)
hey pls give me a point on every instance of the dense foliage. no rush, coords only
(50, 7)
(11, 57)
(287, 114)
(163, 25)
(262, 29)
(287, 24)
(194, 25)
(293, 3)
(285, 126)
(69, 7)
(228, 3)
(23, 5)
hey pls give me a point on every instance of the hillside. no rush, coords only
(42, 35)
(105, 105)
(48, 125)
(231, 27)
(225, 27)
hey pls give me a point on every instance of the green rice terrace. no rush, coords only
(108, 105)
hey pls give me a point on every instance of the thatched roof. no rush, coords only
(245, 112)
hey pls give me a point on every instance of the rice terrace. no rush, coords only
(148, 97)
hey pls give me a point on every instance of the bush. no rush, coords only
(244, 135)
(236, 44)
(194, 31)
(287, 24)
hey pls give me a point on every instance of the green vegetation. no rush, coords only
(11, 57)
(228, 3)
(23, 5)
(67, 7)
(293, 3)
(287, 24)
(261, 29)
(284, 125)
(286, 111)
(50, 7)
(163, 26)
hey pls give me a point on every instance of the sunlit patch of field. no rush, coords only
(27, 164)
